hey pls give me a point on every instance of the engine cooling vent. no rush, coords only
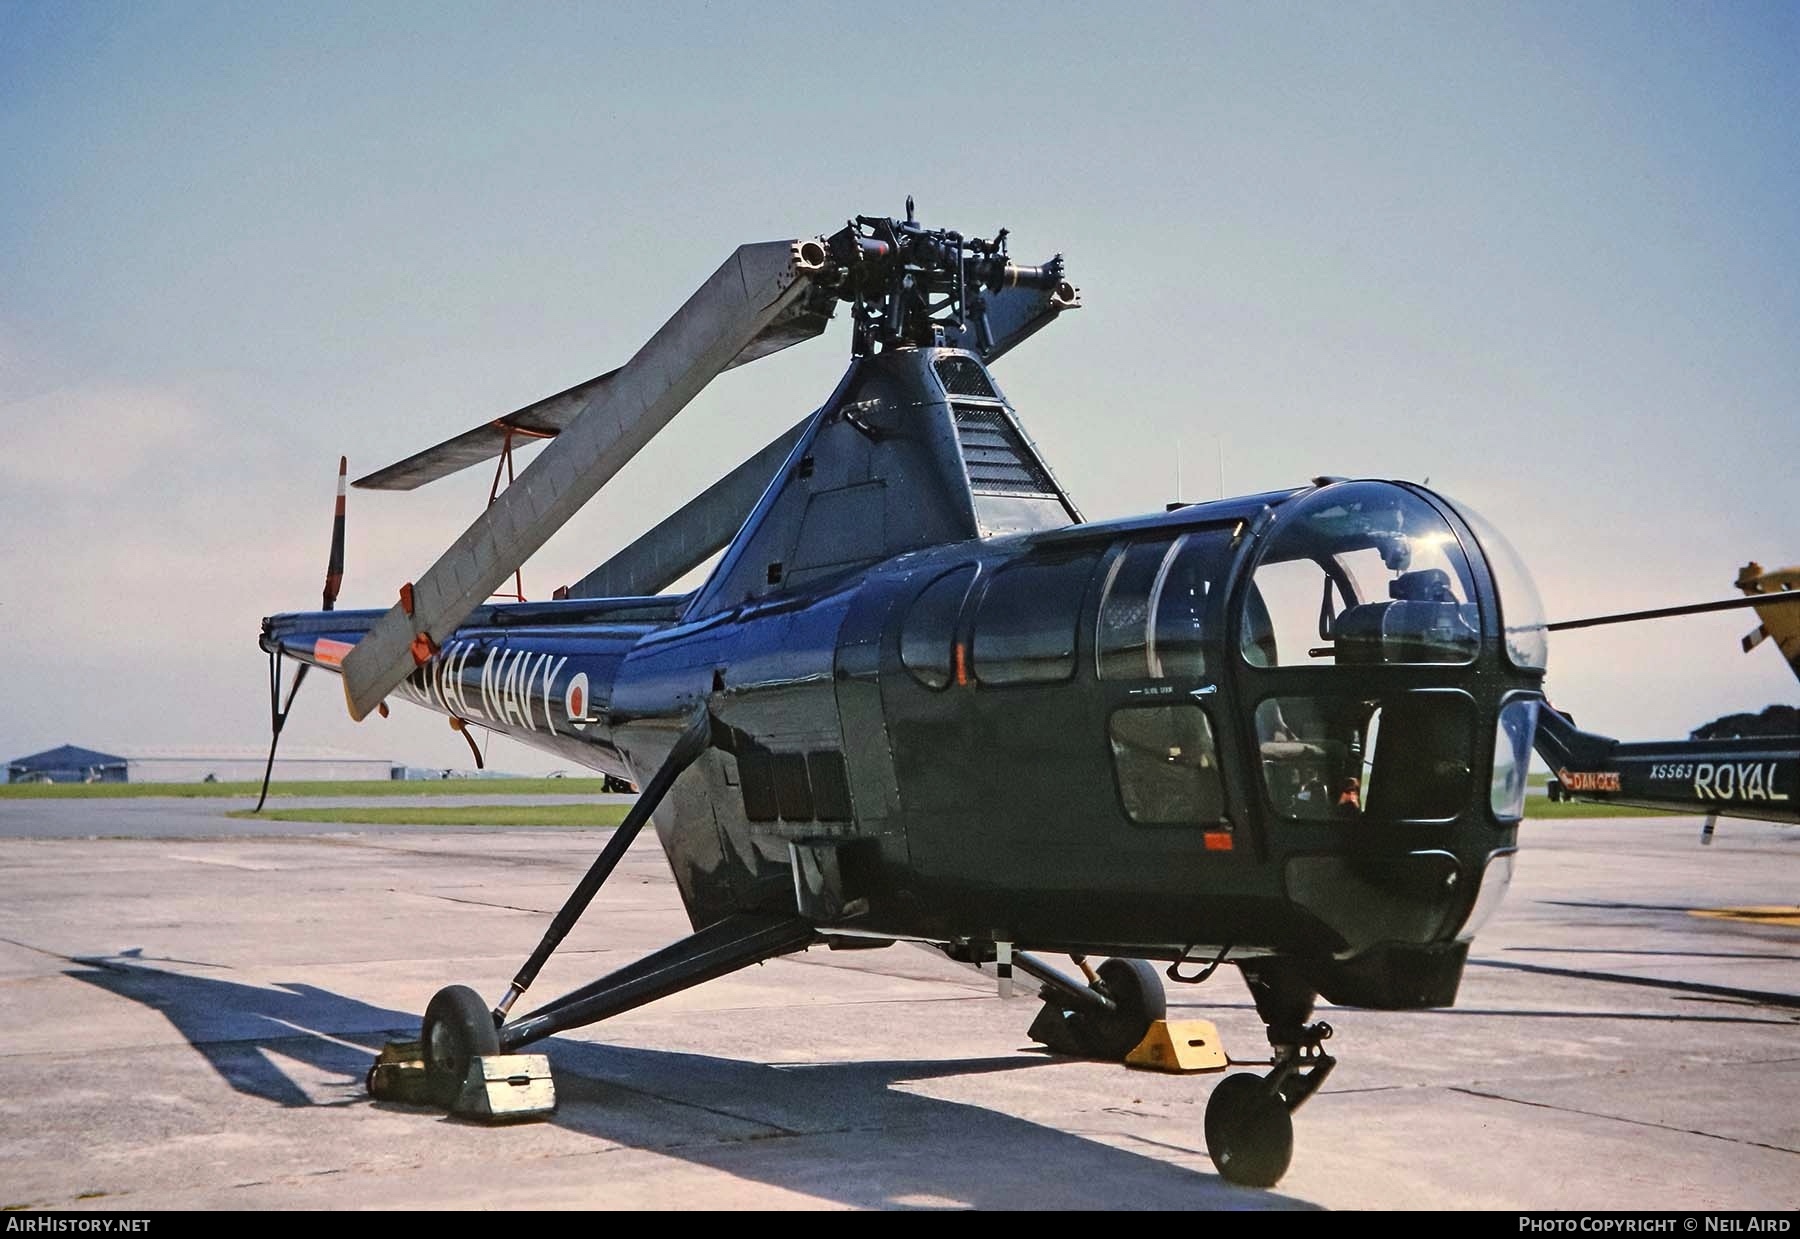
(995, 454)
(963, 376)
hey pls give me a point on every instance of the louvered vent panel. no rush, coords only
(997, 459)
(962, 376)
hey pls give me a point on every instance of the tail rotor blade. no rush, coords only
(334, 578)
(334, 565)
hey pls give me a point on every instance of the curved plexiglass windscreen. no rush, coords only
(1361, 572)
(1512, 757)
(1521, 610)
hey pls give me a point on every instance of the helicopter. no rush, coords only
(921, 699)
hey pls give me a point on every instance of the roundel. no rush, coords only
(576, 701)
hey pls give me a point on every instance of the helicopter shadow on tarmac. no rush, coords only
(842, 1132)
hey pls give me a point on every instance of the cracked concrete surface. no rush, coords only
(192, 1010)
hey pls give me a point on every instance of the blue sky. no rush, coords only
(1546, 255)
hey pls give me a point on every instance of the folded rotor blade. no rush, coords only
(758, 286)
(1015, 313)
(544, 419)
(549, 417)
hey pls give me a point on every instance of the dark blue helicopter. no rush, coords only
(920, 698)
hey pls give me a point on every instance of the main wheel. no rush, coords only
(458, 1028)
(1137, 990)
(1249, 1132)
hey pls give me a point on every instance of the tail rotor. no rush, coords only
(334, 579)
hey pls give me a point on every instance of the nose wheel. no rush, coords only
(1249, 1131)
(1250, 1118)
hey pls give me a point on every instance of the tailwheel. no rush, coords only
(1136, 990)
(458, 1028)
(1249, 1131)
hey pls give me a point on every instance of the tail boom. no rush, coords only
(1756, 777)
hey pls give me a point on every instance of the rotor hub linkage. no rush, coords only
(912, 285)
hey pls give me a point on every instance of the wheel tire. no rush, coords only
(1137, 988)
(1249, 1132)
(458, 1028)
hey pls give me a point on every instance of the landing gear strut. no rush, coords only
(460, 1028)
(1249, 1119)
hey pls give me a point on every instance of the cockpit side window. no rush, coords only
(1361, 573)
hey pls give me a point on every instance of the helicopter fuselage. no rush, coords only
(1086, 739)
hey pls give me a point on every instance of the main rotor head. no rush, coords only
(909, 285)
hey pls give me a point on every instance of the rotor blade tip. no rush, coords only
(350, 701)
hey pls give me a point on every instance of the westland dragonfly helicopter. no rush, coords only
(920, 699)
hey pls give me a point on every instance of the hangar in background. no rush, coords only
(67, 763)
(164, 764)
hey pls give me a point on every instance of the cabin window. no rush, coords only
(1179, 606)
(1122, 639)
(1153, 615)
(1167, 765)
(1361, 573)
(929, 632)
(1025, 626)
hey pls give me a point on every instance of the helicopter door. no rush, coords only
(989, 724)
(1157, 660)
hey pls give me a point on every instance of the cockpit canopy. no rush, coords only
(1362, 572)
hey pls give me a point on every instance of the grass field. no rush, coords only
(1540, 808)
(323, 787)
(589, 815)
(1537, 808)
